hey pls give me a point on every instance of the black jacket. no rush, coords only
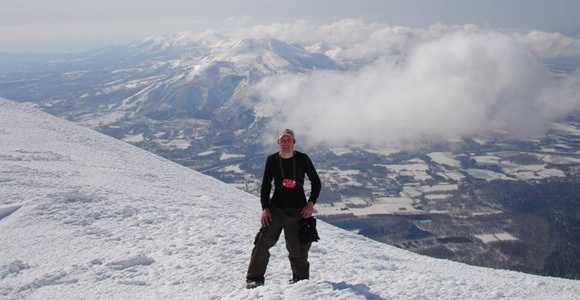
(293, 168)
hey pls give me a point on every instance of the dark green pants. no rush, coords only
(289, 221)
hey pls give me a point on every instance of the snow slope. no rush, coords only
(84, 216)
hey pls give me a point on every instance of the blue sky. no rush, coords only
(78, 25)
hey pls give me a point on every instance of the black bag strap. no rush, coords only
(282, 167)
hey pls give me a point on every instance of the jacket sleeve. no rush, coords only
(266, 184)
(316, 185)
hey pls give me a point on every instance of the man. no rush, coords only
(285, 210)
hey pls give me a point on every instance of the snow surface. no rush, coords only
(84, 216)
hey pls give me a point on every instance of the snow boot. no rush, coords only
(252, 284)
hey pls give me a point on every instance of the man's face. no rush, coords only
(286, 143)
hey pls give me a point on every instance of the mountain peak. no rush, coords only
(275, 53)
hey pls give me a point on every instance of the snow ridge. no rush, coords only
(83, 215)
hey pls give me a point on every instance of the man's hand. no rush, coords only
(266, 217)
(307, 210)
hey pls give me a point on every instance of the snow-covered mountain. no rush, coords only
(162, 78)
(85, 216)
(172, 93)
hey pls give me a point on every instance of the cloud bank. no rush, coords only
(351, 39)
(445, 84)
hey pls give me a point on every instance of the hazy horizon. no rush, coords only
(78, 26)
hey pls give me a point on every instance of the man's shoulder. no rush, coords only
(273, 156)
(300, 154)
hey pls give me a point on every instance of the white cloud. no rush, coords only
(550, 45)
(463, 83)
(350, 39)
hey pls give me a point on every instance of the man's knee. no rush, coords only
(267, 236)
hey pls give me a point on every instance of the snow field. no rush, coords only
(84, 216)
